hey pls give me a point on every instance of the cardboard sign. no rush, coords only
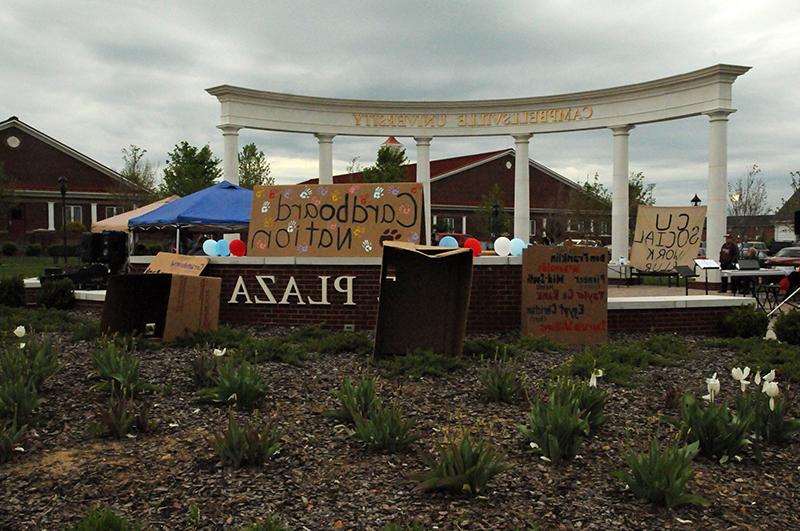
(334, 220)
(666, 237)
(177, 264)
(565, 294)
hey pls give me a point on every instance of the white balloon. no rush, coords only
(502, 246)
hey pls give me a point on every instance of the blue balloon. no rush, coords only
(210, 247)
(517, 246)
(448, 241)
(223, 248)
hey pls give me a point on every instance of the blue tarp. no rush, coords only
(221, 204)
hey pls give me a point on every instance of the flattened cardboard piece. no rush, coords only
(424, 297)
(177, 264)
(565, 294)
(666, 237)
(334, 219)
(176, 304)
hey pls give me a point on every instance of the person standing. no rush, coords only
(728, 258)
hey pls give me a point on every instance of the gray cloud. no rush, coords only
(99, 76)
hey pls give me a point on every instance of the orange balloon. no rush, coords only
(475, 245)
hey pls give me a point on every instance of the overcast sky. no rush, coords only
(101, 75)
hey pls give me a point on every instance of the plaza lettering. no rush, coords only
(265, 288)
(473, 120)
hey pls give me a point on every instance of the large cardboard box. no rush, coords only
(424, 297)
(172, 304)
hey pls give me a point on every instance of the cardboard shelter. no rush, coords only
(424, 298)
(171, 297)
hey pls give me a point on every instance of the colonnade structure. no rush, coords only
(619, 109)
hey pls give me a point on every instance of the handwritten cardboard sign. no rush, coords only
(565, 294)
(334, 220)
(666, 237)
(177, 264)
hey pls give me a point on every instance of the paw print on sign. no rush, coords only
(332, 226)
(390, 235)
(287, 194)
(395, 191)
(405, 209)
(378, 193)
(335, 196)
(305, 194)
(353, 189)
(323, 191)
(302, 248)
(358, 231)
(291, 226)
(265, 207)
(259, 193)
(414, 237)
(367, 246)
(267, 223)
(316, 201)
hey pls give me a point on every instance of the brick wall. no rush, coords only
(495, 301)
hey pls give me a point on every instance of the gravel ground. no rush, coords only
(323, 479)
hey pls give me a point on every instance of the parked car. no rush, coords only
(757, 250)
(788, 256)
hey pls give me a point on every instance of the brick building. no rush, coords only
(35, 161)
(558, 205)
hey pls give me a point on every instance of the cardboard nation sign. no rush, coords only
(666, 237)
(334, 220)
(177, 264)
(565, 294)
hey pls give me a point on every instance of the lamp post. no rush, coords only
(695, 201)
(62, 183)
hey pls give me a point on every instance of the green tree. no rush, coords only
(639, 193)
(137, 169)
(253, 167)
(189, 169)
(492, 213)
(389, 166)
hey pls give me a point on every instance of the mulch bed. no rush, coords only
(323, 479)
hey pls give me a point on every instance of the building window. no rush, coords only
(604, 228)
(569, 225)
(449, 224)
(16, 213)
(114, 211)
(74, 213)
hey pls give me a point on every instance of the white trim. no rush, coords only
(480, 162)
(673, 302)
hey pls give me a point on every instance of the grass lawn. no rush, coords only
(30, 266)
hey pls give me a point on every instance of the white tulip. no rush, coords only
(757, 379)
(768, 378)
(596, 373)
(713, 388)
(739, 375)
(771, 390)
(22, 345)
(219, 353)
(19, 331)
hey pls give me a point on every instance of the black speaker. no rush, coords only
(113, 249)
(797, 222)
(90, 247)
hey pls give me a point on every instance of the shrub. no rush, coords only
(18, 399)
(763, 354)
(121, 416)
(237, 383)
(270, 524)
(104, 519)
(486, 347)
(539, 344)
(204, 370)
(555, 428)
(10, 435)
(9, 249)
(59, 294)
(420, 363)
(154, 249)
(771, 426)
(58, 250)
(384, 429)
(34, 363)
(661, 474)
(34, 249)
(356, 400)
(591, 400)
(242, 346)
(335, 343)
(39, 319)
(12, 291)
(787, 327)
(87, 330)
(500, 381)
(464, 466)
(721, 434)
(246, 444)
(745, 321)
(118, 370)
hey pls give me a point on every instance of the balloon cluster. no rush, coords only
(224, 248)
(470, 243)
(504, 247)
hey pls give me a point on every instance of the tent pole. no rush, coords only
(177, 239)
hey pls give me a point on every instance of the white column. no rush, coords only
(620, 202)
(325, 158)
(94, 213)
(716, 222)
(522, 184)
(424, 177)
(51, 215)
(230, 155)
(463, 224)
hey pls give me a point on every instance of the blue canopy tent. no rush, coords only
(223, 206)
